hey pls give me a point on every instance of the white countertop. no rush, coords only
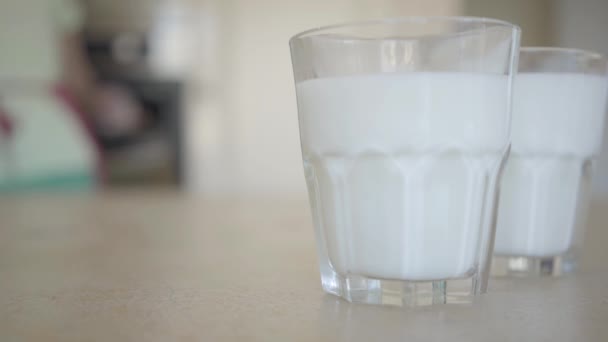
(165, 267)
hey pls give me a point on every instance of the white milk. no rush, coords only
(558, 122)
(401, 170)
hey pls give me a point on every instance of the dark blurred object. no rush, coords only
(6, 124)
(139, 114)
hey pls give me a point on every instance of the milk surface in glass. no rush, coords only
(558, 121)
(402, 170)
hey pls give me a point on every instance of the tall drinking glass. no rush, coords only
(559, 104)
(404, 126)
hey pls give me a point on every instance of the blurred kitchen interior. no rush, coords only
(198, 94)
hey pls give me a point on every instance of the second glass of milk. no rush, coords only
(559, 104)
(404, 127)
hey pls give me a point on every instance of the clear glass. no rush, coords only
(404, 126)
(559, 105)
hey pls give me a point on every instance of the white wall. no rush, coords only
(535, 17)
(242, 124)
(583, 24)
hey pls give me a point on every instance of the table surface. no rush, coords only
(169, 267)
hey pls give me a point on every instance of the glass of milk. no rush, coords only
(559, 105)
(404, 126)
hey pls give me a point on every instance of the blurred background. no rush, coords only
(195, 95)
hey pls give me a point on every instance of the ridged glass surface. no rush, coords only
(407, 216)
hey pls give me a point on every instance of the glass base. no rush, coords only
(524, 266)
(360, 289)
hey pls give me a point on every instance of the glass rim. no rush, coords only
(566, 51)
(405, 19)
